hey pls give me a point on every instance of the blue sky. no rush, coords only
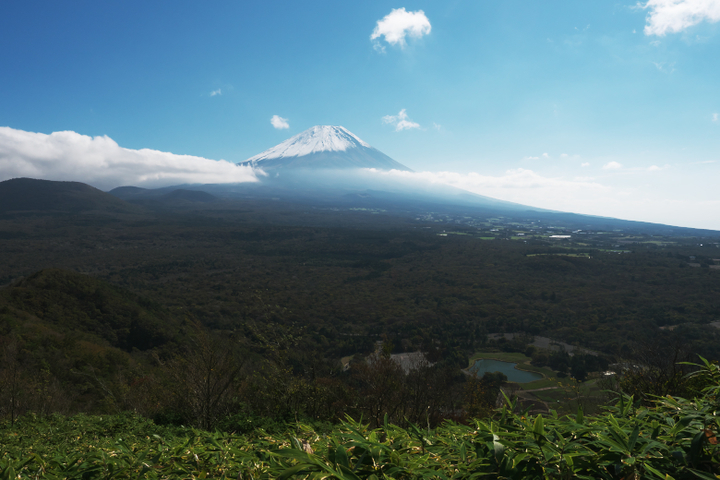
(599, 107)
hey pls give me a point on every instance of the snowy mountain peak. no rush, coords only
(323, 147)
(320, 138)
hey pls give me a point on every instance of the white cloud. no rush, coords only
(279, 122)
(400, 121)
(514, 179)
(438, 127)
(398, 24)
(216, 92)
(517, 185)
(102, 163)
(630, 200)
(714, 117)
(665, 67)
(612, 166)
(543, 156)
(585, 164)
(672, 16)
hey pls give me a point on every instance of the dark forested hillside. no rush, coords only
(117, 310)
(390, 276)
(44, 196)
(70, 302)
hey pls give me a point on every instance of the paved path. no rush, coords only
(540, 389)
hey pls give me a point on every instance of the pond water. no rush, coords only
(480, 367)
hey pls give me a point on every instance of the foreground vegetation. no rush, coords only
(674, 438)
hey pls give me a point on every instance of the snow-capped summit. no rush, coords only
(320, 138)
(324, 146)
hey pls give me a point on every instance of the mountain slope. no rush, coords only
(32, 195)
(324, 147)
(68, 301)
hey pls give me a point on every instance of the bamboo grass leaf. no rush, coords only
(8, 473)
(633, 438)
(703, 475)
(341, 458)
(348, 473)
(538, 426)
(291, 471)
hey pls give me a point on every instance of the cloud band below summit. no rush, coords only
(101, 162)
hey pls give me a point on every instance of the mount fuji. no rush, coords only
(323, 147)
(330, 166)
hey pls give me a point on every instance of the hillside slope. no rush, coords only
(71, 302)
(45, 196)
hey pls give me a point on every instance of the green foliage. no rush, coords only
(480, 394)
(67, 301)
(654, 370)
(675, 438)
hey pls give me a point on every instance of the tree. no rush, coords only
(381, 388)
(481, 394)
(204, 381)
(12, 381)
(658, 368)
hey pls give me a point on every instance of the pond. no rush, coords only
(480, 367)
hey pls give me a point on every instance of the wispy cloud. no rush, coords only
(579, 194)
(585, 164)
(101, 162)
(714, 117)
(397, 25)
(400, 121)
(517, 185)
(278, 122)
(673, 16)
(665, 67)
(543, 156)
(518, 178)
(216, 92)
(612, 166)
